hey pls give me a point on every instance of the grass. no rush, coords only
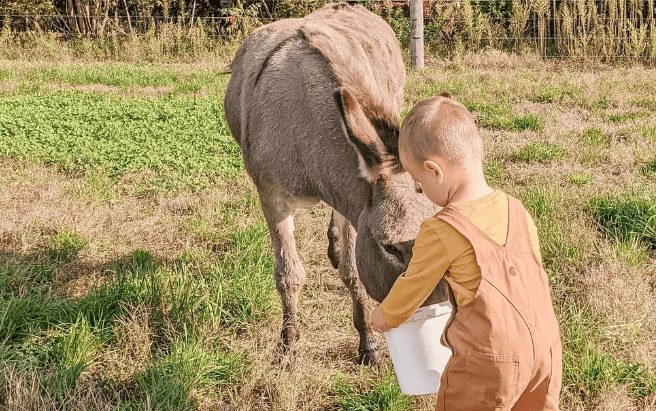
(77, 348)
(135, 266)
(65, 246)
(540, 153)
(579, 178)
(556, 93)
(650, 167)
(592, 371)
(626, 217)
(594, 137)
(384, 395)
(172, 142)
(622, 118)
(645, 103)
(179, 379)
(500, 117)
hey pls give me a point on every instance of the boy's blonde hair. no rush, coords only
(443, 127)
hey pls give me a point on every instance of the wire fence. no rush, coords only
(603, 30)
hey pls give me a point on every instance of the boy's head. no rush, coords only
(440, 147)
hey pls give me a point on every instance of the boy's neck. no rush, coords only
(471, 190)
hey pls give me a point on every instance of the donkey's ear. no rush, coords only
(362, 135)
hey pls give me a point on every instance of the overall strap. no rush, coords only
(484, 247)
(519, 239)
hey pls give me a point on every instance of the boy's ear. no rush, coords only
(435, 169)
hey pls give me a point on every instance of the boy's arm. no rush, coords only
(427, 266)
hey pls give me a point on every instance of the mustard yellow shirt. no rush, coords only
(441, 251)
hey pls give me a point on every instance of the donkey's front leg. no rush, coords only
(289, 272)
(368, 348)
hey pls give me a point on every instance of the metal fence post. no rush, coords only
(417, 33)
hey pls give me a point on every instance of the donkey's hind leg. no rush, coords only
(289, 272)
(368, 348)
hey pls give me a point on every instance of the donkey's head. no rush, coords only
(390, 219)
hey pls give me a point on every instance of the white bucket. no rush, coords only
(418, 356)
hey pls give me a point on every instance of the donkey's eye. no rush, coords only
(418, 188)
(392, 249)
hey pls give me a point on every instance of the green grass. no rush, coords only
(530, 122)
(549, 93)
(622, 118)
(594, 137)
(603, 103)
(384, 395)
(76, 349)
(495, 171)
(173, 142)
(498, 116)
(646, 103)
(62, 336)
(633, 251)
(540, 201)
(66, 245)
(650, 167)
(579, 178)
(626, 217)
(591, 371)
(648, 132)
(179, 378)
(539, 153)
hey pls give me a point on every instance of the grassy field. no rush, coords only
(135, 270)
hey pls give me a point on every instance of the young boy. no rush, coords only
(503, 334)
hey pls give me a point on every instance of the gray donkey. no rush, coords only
(314, 104)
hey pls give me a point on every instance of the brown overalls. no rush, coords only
(506, 345)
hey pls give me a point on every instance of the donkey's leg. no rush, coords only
(289, 271)
(368, 349)
(333, 242)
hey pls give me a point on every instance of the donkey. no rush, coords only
(314, 104)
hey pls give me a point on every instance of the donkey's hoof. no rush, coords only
(369, 356)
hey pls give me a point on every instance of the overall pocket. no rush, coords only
(556, 376)
(492, 380)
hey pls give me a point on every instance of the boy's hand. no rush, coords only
(378, 322)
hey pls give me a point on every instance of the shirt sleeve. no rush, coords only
(427, 266)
